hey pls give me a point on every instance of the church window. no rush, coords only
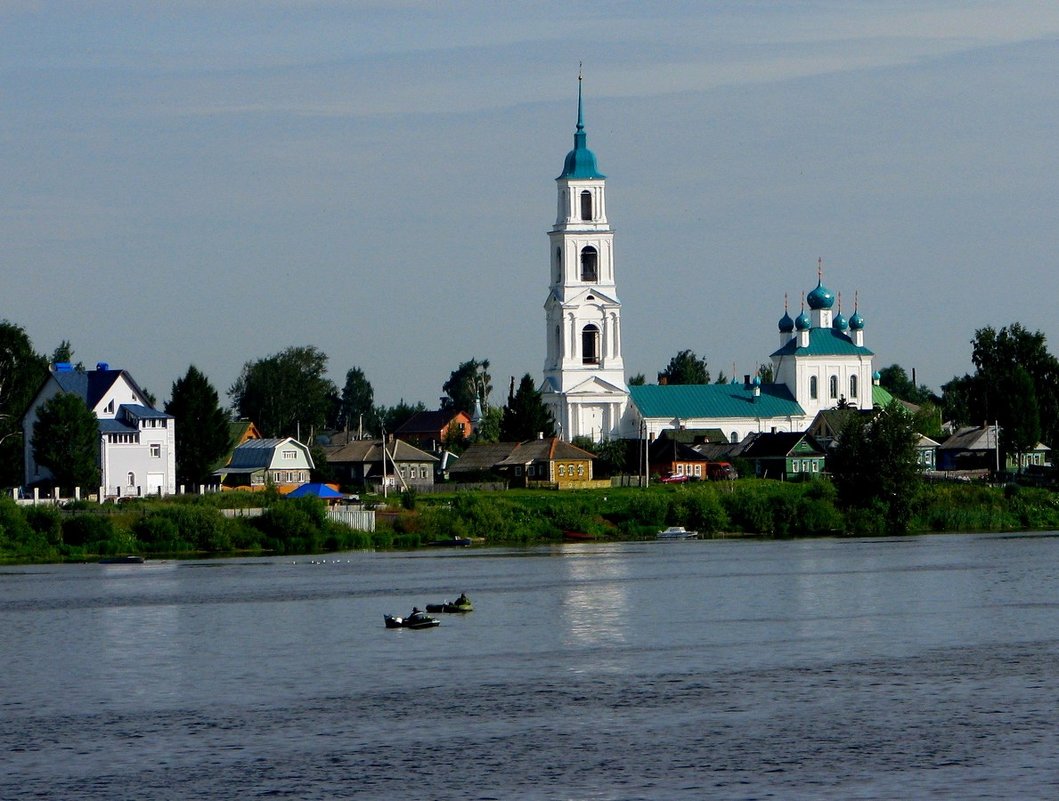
(156, 451)
(590, 345)
(558, 265)
(734, 438)
(833, 386)
(853, 386)
(586, 205)
(813, 392)
(558, 341)
(132, 480)
(589, 264)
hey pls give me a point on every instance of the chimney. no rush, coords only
(746, 381)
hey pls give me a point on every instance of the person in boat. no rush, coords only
(463, 600)
(416, 611)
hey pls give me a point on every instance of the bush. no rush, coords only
(46, 522)
(87, 530)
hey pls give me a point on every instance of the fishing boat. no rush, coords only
(416, 620)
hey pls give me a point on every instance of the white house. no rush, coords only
(137, 452)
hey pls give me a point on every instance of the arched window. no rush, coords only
(558, 342)
(586, 205)
(589, 262)
(558, 265)
(132, 480)
(833, 387)
(590, 345)
(853, 386)
(813, 392)
(735, 437)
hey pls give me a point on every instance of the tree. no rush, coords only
(997, 392)
(489, 426)
(391, 418)
(526, 416)
(203, 433)
(685, 368)
(467, 383)
(22, 371)
(895, 380)
(637, 380)
(358, 400)
(286, 393)
(66, 441)
(875, 468)
(766, 373)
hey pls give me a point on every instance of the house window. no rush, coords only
(580, 470)
(110, 408)
(816, 466)
(680, 469)
(590, 345)
(586, 205)
(290, 454)
(589, 264)
(853, 386)
(562, 470)
(531, 470)
(833, 386)
(813, 391)
(794, 466)
(156, 451)
(518, 471)
(698, 470)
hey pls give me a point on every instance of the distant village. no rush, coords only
(780, 423)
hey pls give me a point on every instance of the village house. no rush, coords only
(137, 453)
(430, 429)
(283, 463)
(366, 462)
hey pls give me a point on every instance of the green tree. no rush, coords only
(358, 400)
(393, 417)
(22, 371)
(286, 393)
(467, 383)
(895, 380)
(526, 416)
(637, 380)
(66, 441)
(685, 368)
(489, 426)
(875, 469)
(766, 373)
(1023, 427)
(203, 433)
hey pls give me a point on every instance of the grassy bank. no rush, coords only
(195, 526)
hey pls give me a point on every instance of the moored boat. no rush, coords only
(461, 604)
(677, 533)
(131, 559)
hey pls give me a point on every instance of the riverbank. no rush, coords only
(193, 526)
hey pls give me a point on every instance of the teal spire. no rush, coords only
(581, 162)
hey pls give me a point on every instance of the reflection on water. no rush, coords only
(595, 598)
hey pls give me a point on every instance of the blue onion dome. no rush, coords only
(876, 376)
(757, 381)
(786, 323)
(803, 323)
(820, 298)
(856, 322)
(580, 162)
(839, 323)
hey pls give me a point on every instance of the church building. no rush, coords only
(584, 375)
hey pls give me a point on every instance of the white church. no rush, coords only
(821, 360)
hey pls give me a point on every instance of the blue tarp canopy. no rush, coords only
(315, 491)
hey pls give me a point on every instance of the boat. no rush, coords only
(578, 536)
(677, 533)
(461, 604)
(417, 620)
(455, 542)
(131, 559)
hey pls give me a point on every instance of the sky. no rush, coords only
(210, 182)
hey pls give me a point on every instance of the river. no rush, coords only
(921, 667)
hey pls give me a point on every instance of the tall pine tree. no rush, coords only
(203, 434)
(525, 416)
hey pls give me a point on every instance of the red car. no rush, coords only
(677, 479)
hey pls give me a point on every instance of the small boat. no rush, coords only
(455, 542)
(461, 604)
(578, 536)
(418, 620)
(677, 533)
(131, 559)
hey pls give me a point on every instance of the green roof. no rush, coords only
(580, 162)
(823, 342)
(880, 396)
(689, 401)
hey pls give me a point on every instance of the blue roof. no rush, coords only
(145, 412)
(580, 162)
(689, 401)
(314, 490)
(824, 342)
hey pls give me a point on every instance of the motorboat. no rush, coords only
(416, 620)
(130, 559)
(455, 542)
(677, 533)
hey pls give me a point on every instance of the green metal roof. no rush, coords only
(714, 400)
(880, 396)
(580, 162)
(824, 342)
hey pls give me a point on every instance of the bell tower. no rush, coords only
(584, 375)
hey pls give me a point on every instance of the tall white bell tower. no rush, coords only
(584, 375)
